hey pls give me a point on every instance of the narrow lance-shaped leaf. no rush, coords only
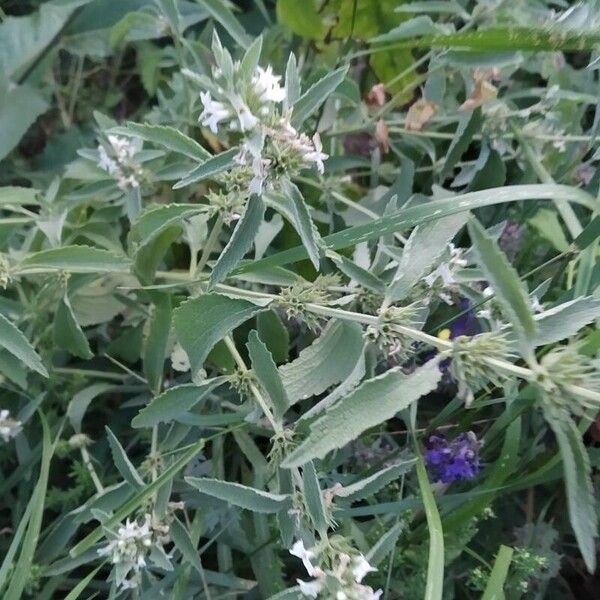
(209, 168)
(201, 322)
(221, 13)
(67, 332)
(240, 495)
(370, 404)
(313, 497)
(122, 462)
(240, 241)
(581, 502)
(76, 259)
(505, 282)
(17, 344)
(265, 369)
(155, 345)
(494, 590)
(425, 245)
(467, 128)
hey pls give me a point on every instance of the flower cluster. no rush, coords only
(250, 103)
(9, 428)
(336, 575)
(442, 280)
(118, 160)
(453, 460)
(132, 545)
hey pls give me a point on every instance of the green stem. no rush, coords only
(210, 242)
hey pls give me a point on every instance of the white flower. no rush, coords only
(260, 169)
(316, 155)
(9, 428)
(341, 595)
(214, 112)
(371, 595)
(124, 151)
(361, 568)
(536, 305)
(310, 588)
(180, 361)
(266, 85)
(305, 556)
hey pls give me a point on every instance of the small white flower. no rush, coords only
(316, 155)
(310, 588)
(361, 568)
(9, 428)
(180, 361)
(266, 85)
(536, 305)
(305, 556)
(214, 112)
(341, 595)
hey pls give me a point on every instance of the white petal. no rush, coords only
(310, 588)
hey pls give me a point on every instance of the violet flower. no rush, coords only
(453, 460)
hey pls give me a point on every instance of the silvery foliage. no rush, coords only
(205, 358)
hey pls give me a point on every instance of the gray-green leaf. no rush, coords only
(17, 344)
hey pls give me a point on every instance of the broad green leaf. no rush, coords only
(275, 334)
(20, 106)
(327, 361)
(17, 344)
(81, 400)
(302, 18)
(221, 13)
(467, 127)
(304, 225)
(434, 587)
(209, 168)
(201, 322)
(313, 498)
(506, 284)
(185, 545)
(137, 500)
(265, 369)
(370, 404)
(364, 488)
(149, 256)
(547, 223)
(581, 502)
(165, 136)
(384, 545)
(67, 331)
(416, 215)
(156, 341)
(312, 99)
(75, 259)
(494, 590)
(21, 571)
(175, 402)
(240, 495)
(424, 247)
(122, 462)
(18, 196)
(240, 241)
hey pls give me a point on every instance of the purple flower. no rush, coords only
(453, 460)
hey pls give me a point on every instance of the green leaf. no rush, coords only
(75, 259)
(81, 400)
(385, 544)
(547, 223)
(449, 7)
(165, 136)
(240, 241)
(240, 495)
(18, 196)
(67, 331)
(416, 215)
(468, 126)
(274, 332)
(505, 282)
(581, 502)
(17, 344)
(155, 344)
(209, 168)
(357, 274)
(365, 488)
(434, 587)
(122, 462)
(221, 13)
(81, 585)
(372, 403)
(184, 544)
(21, 571)
(266, 371)
(313, 498)
(292, 82)
(173, 403)
(327, 361)
(588, 236)
(149, 256)
(137, 500)
(423, 249)
(302, 18)
(312, 99)
(303, 224)
(494, 590)
(201, 322)
(251, 58)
